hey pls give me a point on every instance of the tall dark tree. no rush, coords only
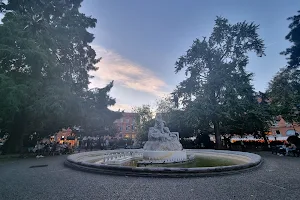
(175, 118)
(284, 88)
(215, 67)
(284, 91)
(11, 99)
(293, 52)
(143, 121)
(97, 118)
(45, 50)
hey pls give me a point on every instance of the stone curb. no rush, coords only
(255, 161)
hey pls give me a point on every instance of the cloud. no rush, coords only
(121, 107)
(125, 74)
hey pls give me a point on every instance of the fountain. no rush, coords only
(163, 156)
(162, 146)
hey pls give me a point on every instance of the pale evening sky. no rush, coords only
(140, 40)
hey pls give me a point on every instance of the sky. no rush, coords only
(140, 40)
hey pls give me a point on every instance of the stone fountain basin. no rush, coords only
(164, 156)
(86, 162)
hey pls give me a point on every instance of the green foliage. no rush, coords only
(10, 101)
(176, 119)
(256, 120)
(293, 36)
(217, 86)
(97, 116)
(143, 121)
(284, 89)
(203, 141)
(45, 60)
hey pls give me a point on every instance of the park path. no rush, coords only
(277, 178)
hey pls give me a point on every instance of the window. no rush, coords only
(290, 132)
(120, 128)
(127, 127)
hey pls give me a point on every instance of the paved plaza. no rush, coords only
(277, 178)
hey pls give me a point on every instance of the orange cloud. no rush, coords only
(125, 73)
(121, 107)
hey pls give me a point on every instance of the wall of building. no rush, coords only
(62, 137)
(125, 126)
(284, 128)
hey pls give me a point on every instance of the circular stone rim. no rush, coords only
(254, 160)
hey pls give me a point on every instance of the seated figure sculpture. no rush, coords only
(160, 138)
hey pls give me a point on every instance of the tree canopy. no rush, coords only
(217, 87)
(284, 88)
(45, 60)
(293, 52)
(143, 121)
(175, 118)
(284, 91)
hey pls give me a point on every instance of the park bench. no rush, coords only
(276, 149)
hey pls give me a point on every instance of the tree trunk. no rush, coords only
(265, 139)
(14, 143)
(216, 124)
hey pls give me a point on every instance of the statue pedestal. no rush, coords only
(174, 145)
(164, 156)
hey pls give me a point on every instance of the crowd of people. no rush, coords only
(287, 148)
(42, 149)
(53, 148)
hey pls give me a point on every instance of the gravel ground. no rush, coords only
(277, 178)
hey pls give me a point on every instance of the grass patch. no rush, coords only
(201, 162)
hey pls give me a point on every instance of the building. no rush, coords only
(65, 136)
(282, 128)
(280, 131)
(126, 126)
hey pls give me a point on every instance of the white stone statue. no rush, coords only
(161, 139)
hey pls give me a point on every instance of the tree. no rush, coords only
(293, 36)
(175, 118)
(143, 121)
(203, 140)
(257, 119)
(284, 91)
(217, 84)
(10, 101)
(45, 53)
(165, 106)
(98, 119)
